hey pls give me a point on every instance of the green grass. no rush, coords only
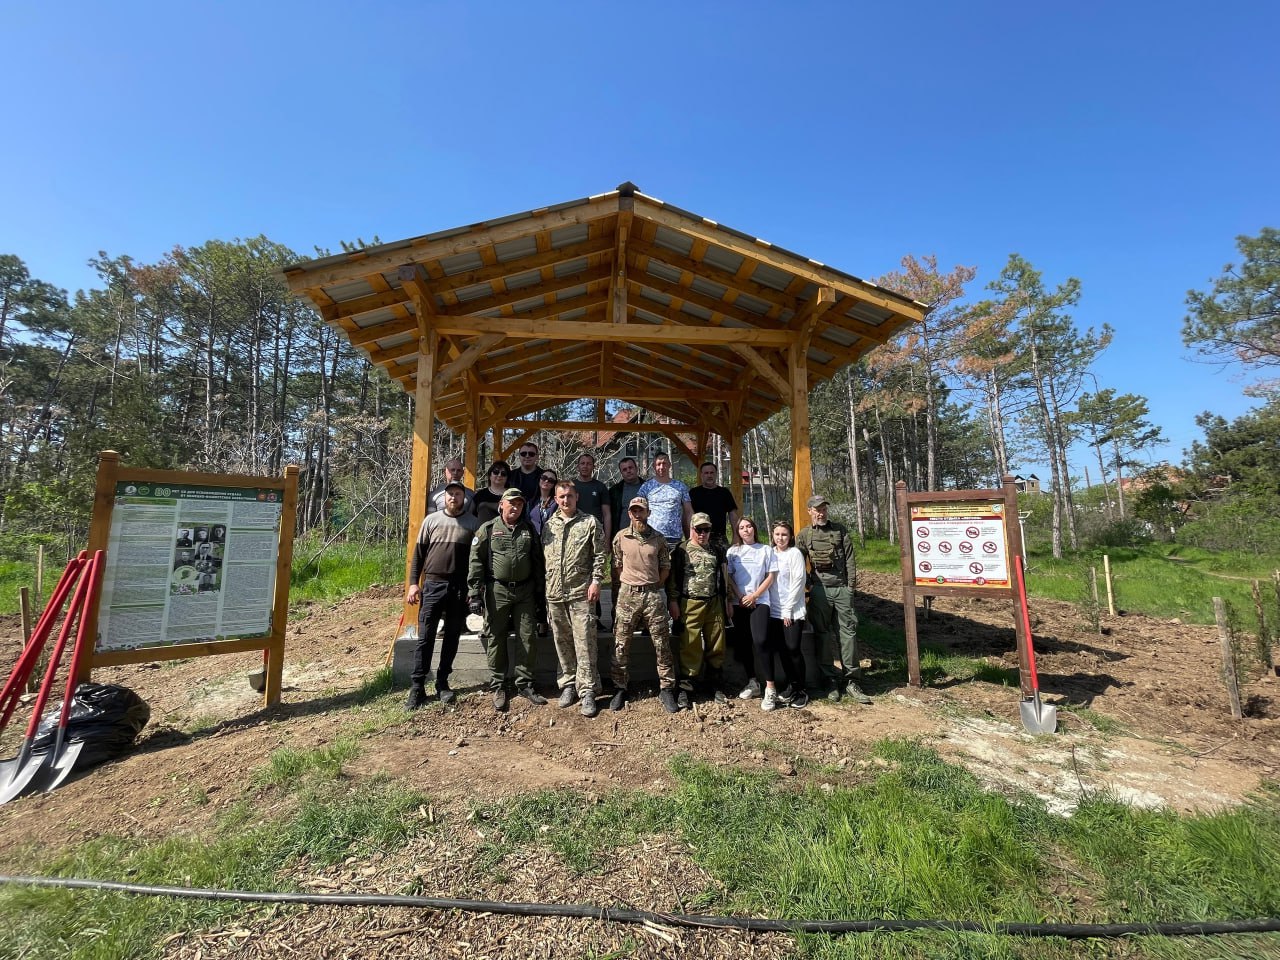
(343, 569)
(288, 766)
(1159, 580)
(925, 840)
(917, 838)
(332, 821)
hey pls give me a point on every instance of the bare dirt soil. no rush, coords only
(1151, 725)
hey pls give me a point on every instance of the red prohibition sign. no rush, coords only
(989, 547)
(925, 566)
(922, 531)
(944, 546)
(975, 567)
(973, 533)
(923, 547)
(966, 546)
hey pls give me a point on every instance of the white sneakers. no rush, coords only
(771, 699)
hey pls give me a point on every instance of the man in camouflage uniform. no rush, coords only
(826, 546)
(643, 559)
(505, 578)
(697, 591)
(573, 548)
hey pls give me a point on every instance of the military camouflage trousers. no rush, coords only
(573, 625)
(643, 607)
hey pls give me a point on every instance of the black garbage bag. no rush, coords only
(105, 717)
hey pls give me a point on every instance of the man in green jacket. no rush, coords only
(697, 588)
(505, 578)
(826, 546)
(573, 549)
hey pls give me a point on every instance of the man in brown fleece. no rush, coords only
(440, 562)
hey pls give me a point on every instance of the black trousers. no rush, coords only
(751, 639)
(439, 601)
(785, 642)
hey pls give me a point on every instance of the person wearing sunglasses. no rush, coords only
(527, 475)
(697, 588)
(545, 505)
(485, 502)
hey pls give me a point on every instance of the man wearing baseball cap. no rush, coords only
(440, 563)
(698, 591)
(826, 546)
(506, 578)
(643, 559)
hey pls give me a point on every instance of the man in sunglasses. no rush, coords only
(528, 473)
(697, 591)
(643, 559)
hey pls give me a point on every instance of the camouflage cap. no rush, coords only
(699, 520)
(638, 502)
(512, 493)
(817, 500)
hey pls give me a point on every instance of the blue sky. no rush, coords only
(1124, 144)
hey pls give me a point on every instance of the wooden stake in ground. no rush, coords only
(1106, 573)
(1228, 657)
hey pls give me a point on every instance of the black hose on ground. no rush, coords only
(615, 915)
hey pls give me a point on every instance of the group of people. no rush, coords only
(530, 547)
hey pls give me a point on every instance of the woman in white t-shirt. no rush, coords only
(786, 613)
(752, 569)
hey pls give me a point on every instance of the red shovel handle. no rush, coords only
(1026, 624)
(83, 641)
(73, 611)
(27, 661)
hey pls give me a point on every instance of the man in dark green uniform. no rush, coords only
(505, 579)
(826, 546)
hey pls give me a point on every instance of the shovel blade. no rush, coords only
(20, 779)
(51, 775)
(1038, 717)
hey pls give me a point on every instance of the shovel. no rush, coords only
(17, 773)
(61, 760)
(39, 636)
(1036, 716)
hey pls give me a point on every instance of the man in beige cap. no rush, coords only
(506, 579)
(643, 558)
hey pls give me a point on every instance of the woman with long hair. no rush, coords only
(753, 566)
(786, 613)
(485, 503)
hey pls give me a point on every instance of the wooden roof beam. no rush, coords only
(516, 327)
(379, 260)
(510, 297)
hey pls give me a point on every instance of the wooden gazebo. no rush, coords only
(613, 297)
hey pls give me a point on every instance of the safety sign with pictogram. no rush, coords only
(952, 534)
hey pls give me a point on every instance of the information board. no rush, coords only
(188, 564)
(959, 544)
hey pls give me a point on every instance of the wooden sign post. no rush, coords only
(197, 564)
(957, 543)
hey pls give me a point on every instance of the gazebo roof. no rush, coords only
(617, 296)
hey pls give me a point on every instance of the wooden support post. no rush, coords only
(802, 469)
(274, 666)
(471, 435)
(104, 498)
(902, 518)
(423, 433)
(735, 474)
(1228, 657)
